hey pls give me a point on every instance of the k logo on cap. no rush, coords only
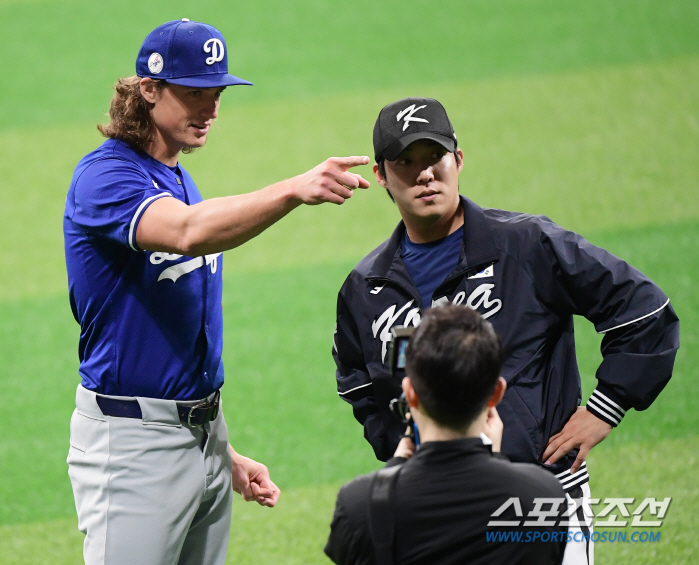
(408, 113)
(408, 120)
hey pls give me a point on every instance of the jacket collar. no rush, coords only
(477, 250)
(467, 445)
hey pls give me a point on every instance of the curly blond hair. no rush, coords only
(129, 114)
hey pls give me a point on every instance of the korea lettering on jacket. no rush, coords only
(528, 277)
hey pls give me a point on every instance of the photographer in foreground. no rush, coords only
(434, 506)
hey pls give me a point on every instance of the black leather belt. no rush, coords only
(196, 415)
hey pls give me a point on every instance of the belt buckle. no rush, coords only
(213, 404)
(189, 416)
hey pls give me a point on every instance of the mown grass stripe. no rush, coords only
(300, 49)
(295, 532)
(602, 149)
(280, 400)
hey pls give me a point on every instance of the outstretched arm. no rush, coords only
(219, 224)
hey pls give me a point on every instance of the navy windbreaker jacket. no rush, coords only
(528, 277)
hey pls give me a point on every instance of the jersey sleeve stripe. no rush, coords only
(602, 407)
(568, 486)
(137, 215)
(353, 389)
(597, 403)
(570, 480)
(636, 320)
(609, 401)
(566, 474)
(600, 410)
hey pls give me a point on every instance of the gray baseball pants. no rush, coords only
(151, 491)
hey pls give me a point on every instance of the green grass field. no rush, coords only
(586, 112)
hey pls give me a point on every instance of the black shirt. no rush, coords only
(444, 498)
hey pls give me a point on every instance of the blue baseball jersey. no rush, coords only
(429, 264)
(150, 323)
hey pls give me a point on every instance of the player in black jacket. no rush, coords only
(526, 275)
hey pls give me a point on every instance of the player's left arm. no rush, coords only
(251, 480)
(640, 328)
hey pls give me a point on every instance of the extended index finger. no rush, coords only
(349, 162)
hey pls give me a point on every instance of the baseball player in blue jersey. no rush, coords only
(528, 277)
(150, 464)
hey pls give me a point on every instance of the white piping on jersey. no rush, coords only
(604, 405)
(613, 406)
(352, 389)
(176, 271)
(609, 400)
(560, 476)
(636, 320)
(132, 243)
(569, 480)
(584, 478)
(604, 410)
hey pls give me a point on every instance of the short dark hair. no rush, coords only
(381, 163)
(454, 359)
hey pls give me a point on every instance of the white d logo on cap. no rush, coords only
(155, 63)
(215, 47)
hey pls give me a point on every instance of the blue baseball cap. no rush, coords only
(186, 53)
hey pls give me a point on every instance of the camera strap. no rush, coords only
(382, 513)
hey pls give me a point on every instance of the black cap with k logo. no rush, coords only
(403, 122)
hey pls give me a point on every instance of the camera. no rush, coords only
(400, 336)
